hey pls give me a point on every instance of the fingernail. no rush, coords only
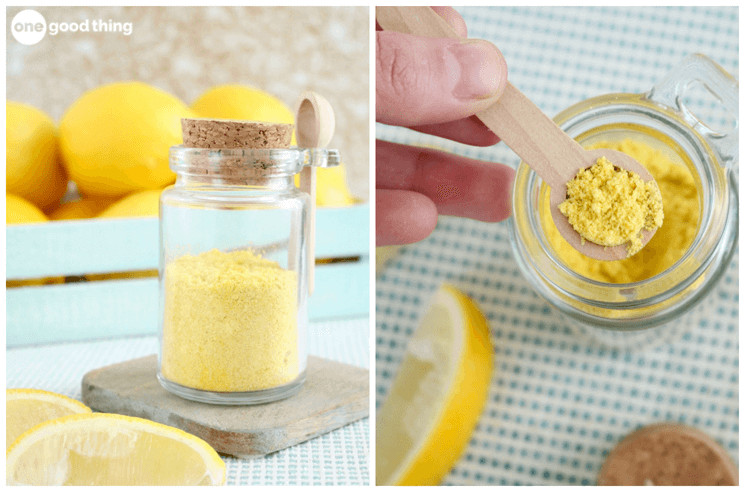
(482, 69)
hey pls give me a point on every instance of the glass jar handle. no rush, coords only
(700, 68)
(320, 157)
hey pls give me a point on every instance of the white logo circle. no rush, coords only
(28, 27)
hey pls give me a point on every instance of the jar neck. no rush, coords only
(278, 183)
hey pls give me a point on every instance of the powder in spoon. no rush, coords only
(671, 241)
(230, 322)
(610, 206)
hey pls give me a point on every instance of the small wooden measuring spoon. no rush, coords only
(314, 128)
(532, 135)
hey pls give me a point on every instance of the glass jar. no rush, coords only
(648, 311)
(234, 273)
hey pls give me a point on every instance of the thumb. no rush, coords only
(434, 80)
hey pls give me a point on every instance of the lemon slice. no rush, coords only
(108, 449)
(436, 399)
(25, 408)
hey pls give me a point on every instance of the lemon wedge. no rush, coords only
(25, 408)
(438, 395)
(108, 449)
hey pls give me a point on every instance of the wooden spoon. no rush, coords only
(315, 127)
(532, 135)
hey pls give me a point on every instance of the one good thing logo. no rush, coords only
(29, 27)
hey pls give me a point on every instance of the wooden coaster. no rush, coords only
(334, 395)
(668, 454)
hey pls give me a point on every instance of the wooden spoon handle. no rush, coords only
(308, 185)
(315, 127)
(514, 118)
(422, 21)
(533, 136)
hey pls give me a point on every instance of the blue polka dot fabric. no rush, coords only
(558, 404)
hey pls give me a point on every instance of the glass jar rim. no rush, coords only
(242, 162)
(573, 287)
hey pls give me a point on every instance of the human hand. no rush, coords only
(435, 85)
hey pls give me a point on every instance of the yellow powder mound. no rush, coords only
(610, 206)
(670, 242)
(230, 322)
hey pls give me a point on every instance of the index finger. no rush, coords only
(457, 185)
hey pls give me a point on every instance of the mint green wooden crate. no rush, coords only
(112, 308)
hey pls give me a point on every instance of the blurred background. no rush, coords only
(185, 51)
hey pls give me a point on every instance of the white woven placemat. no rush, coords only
(556, 405)
(340, 457)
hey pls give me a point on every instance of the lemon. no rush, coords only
(33, 168)
(141, 204)
(331, 187)
(108, 449)
(21, 211)
(435, 401)
(85, 208)
(26, 408)
(115, 138)
(241, 102)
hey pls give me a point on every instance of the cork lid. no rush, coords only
(668, 454)
(242, 152)
(209, 133)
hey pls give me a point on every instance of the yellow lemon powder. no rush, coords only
(670, 242)
(230, 322)
(610, 206)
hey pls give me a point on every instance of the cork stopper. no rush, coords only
(668, 454)
(207, 133)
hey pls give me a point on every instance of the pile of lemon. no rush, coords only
(109, 155)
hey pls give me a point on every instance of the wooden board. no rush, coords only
(334, 395)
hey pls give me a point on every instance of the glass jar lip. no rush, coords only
(256, 162)
(525, 186)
